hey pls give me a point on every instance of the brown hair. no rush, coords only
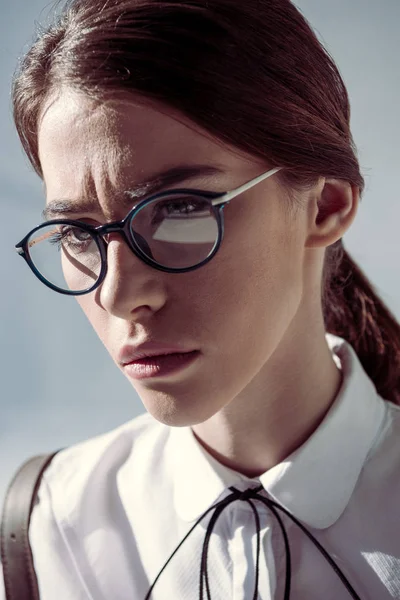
(252, 73)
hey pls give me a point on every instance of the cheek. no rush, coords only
(237, 308)
(259, 259)
(95, 315)
(251, 290)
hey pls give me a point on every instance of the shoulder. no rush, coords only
(81, 465)
(118, 442)
(86, 474)
(382, 467)
(83, 491)
(386, 447)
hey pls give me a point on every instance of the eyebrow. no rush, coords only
(61, 207)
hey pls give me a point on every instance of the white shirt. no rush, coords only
(112, 510)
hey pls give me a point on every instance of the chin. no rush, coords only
(177, 412)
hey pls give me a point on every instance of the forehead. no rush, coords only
(93, 149)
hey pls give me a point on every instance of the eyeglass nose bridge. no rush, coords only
(134, 240)
(117, 227)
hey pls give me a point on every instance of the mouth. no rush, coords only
(162, 365)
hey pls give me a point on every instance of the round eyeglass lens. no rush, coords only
(176, 231)
(66, 255)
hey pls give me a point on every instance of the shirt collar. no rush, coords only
(315, 483)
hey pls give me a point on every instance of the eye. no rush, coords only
(73, 238)
(175, 208)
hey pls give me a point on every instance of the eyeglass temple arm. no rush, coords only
(246, 186)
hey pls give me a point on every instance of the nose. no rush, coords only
(131, 289)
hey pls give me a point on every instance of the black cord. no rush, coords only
(247, 496)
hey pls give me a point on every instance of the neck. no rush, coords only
(279, 410)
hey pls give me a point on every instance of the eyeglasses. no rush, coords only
(174, 231)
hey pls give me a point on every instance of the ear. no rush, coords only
(333, 206)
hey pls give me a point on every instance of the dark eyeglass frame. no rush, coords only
(218, 202)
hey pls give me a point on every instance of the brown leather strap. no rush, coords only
(18, 569)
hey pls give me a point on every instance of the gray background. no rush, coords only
(58, 385)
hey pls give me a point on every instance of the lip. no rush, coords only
(162, 365)
(130, 353)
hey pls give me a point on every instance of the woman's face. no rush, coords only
(235, 310)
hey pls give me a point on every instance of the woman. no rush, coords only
(266, 464)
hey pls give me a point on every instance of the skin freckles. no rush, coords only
(254, 311)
